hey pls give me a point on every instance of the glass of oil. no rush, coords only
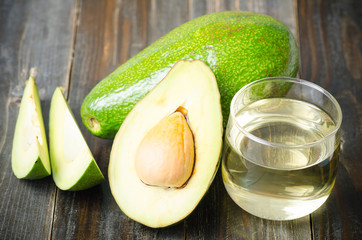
(281, 147)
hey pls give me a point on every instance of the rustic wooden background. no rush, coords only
(75, 43)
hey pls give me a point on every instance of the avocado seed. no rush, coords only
(165, 156)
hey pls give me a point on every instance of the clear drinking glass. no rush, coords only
(281, 147)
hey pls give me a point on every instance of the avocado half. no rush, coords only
(72, 162)
(192, 86)
(30, 157)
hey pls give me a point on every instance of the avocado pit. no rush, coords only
(166, 155)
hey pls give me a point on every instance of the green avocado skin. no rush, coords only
(38, 171)
(239, 47)
(92, 177)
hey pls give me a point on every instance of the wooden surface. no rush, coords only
(75, 43)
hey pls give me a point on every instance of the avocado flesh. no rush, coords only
(73, 165)
(30, 157)
(192, 85)
(239, 47)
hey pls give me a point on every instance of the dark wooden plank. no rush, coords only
(330, 44)
(218, 216)
(32, 34)
(109, 33)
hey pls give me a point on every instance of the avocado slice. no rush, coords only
(73, 165)
(192, 87)
(30, 157)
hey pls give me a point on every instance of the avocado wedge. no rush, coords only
(30, 157)
(72, 162)
(189, 89)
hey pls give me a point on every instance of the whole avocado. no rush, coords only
(238, 46)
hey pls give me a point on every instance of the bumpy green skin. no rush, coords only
(239, 47)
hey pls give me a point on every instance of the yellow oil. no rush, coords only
(293, 172)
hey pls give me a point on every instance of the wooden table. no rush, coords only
(75, 43)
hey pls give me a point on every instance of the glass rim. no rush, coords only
(282, 145)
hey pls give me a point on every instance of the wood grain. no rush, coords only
(33, 34)
(109, 33)
(223, 218)
(330, 44)
(76, 43)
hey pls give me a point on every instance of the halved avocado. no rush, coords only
(30, 157)
(73, 165)
(191, 87)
